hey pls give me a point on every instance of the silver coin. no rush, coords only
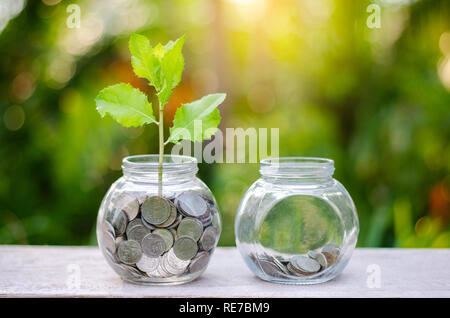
(141, 197)
(110, 256)
(133, 223)
(332, 249)
(137, 233)
(293, 271)
(208, 239)
(319, 257)
(148, 225)
(163, 272)
(156, 210)
(174, 264)
(107, 227)
(206, 221)
(192, 204)
(331, 252)
(119, 239)
(148, 264)
(216, 221)
(176, 222)
(304, 265)
(185, 248)
(129, 252)
(174, 233)
(167, 236)
(280, 265)
(270, 268)
(199, 262)
(119, 221)
(127, 203)
(190, 227)
(108, 241)
(172, 217)
(153, 245)
(173, 268)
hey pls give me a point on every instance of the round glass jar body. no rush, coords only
(296, 224)
(158, 233)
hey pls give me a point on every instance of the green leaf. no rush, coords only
(172, 65)
(145, 60)
(127, 105)
(205, 110)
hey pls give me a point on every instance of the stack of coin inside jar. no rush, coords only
(301, 265)
(155, 236)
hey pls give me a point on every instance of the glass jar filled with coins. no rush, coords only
(158, 233)
(296, 224)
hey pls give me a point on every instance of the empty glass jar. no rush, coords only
(296, 224)
(158, 233)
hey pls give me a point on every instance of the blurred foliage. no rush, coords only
(375, 100)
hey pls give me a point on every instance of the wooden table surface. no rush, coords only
(65, 271)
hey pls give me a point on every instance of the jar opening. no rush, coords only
(145, 164)
(297, 167)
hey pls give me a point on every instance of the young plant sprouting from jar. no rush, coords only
(162, 66)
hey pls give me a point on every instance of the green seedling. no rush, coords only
(162, 66)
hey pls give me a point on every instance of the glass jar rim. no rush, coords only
(294, 167)
(150, 163)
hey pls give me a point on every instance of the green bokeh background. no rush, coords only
(376, 100)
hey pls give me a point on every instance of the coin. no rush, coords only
(127, 203)
(109, 241)
(167, 236)
(163, 272)
(148, 264)
(129, 252)
(171, 268)
(137, 233)
(156, 210)
(174, 233)
(148, 225)
(331, 248)
(304, 265)
(141, 197)
(191, 204)
(107, 227)
(133, 223)
(177, 221)
(110, 256)
(319, 257)
(185, 248)
(292, 270)
(119, 239)
(119, 221)
(199, 262)
(153, 245)
(172, 217)
(174, 264)
(190, 227)
(270, 268)
(208, 239)
(215, 220)
(331, 253)
(280, 265)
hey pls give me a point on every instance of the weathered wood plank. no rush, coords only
(45, 271)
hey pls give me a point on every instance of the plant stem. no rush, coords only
(161, 147)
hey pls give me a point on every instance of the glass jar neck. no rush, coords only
(146, 168)
(298, 169)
